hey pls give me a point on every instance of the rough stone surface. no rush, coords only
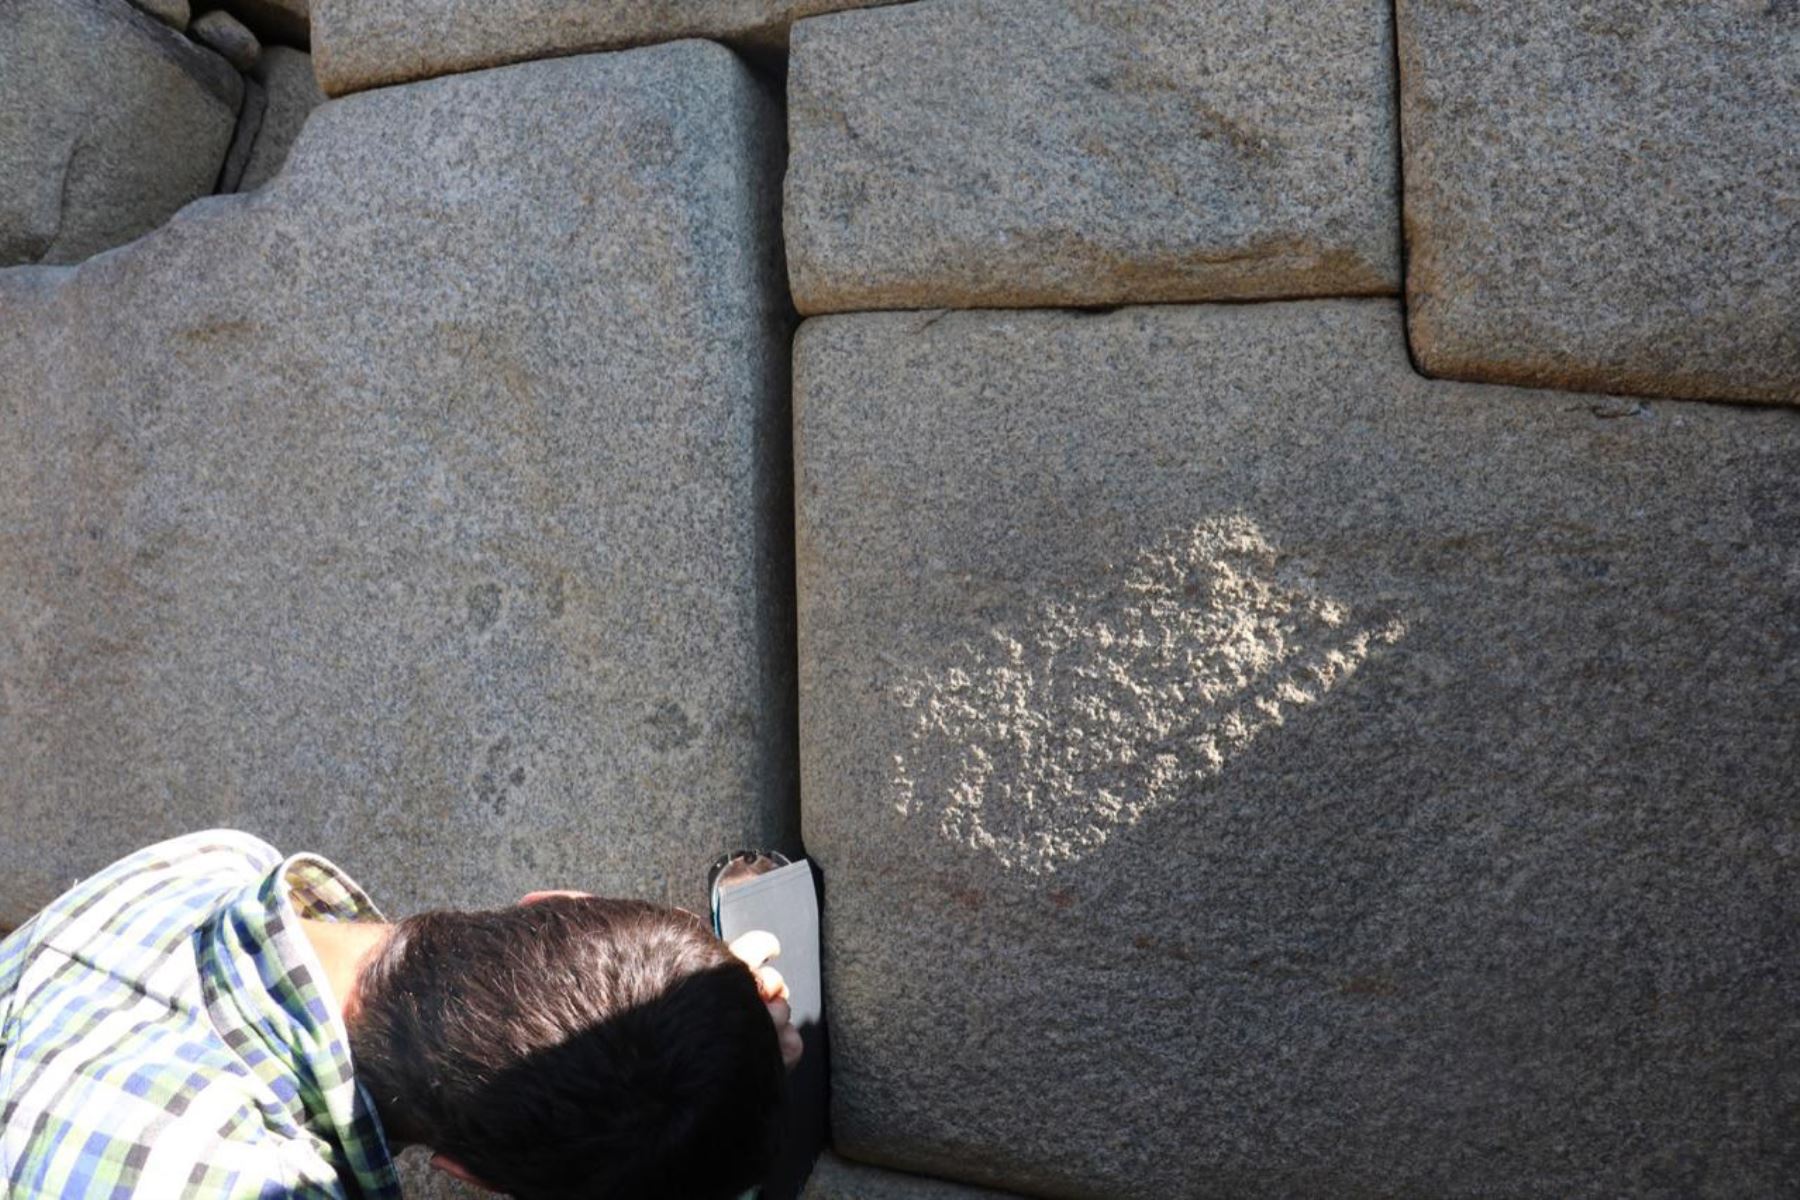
(837, 1179)
(420, 1181)
(173, 13)
(293, 94)
(426, 507)
(1605, 195)
(971, 153)
(251, 114)
(1213, 730)
(365, 43)
(109, 122)
(285, 21)
(229, 36)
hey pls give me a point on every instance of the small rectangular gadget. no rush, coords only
(753, 890)
(778, 896)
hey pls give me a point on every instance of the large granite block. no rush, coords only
(109, 122)
(426, 507)
(366, 43)
(1605, 195)
(1242, 766)
(978, 153)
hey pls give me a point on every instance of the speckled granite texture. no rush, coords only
(835, 1178)
(110, 121)
(425, 508)
(988, 153)
(1605, 194)
(367, 43)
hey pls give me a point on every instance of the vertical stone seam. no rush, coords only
(1400, 186)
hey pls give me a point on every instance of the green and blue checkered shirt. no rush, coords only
(167, 1030)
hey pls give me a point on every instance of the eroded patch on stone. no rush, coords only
(1117, 701)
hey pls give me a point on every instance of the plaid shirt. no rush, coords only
(167, 1030)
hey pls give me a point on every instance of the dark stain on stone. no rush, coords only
(558, 598)
(484, 606)
(1168, 949)
(494, 783)
(489, 792)
(1062, 898)
(1242, 138)
(220, 331)
(670, 728)
(1612, 410)
(971, 899)
(1370, 985)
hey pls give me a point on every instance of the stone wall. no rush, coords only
(365, 546)
(1266, 578)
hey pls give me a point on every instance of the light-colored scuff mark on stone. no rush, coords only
(1112, 704)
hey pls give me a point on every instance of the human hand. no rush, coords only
(755, 949)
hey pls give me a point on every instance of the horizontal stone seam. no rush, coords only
(1101, 309)
(741, 43)
(1446, 374)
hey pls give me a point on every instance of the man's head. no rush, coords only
(572, 1047)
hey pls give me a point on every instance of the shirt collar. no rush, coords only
(273, 1003)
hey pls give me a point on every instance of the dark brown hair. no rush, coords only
(575, 1047)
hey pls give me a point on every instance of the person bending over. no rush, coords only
(207, 1018)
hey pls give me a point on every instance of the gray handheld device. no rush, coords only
(759, 889)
